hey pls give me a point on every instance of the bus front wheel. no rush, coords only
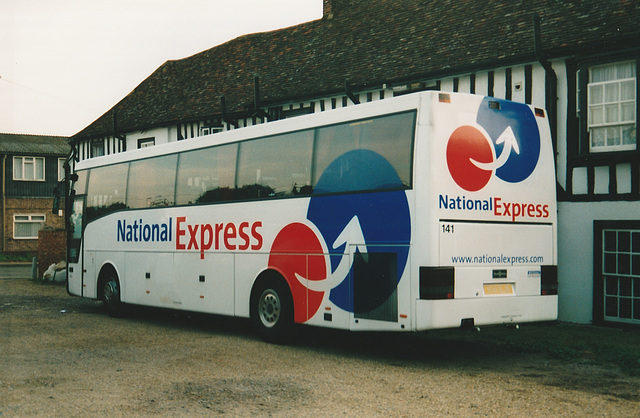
(111, 295)
(272, 310)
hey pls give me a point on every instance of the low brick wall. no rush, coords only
(52, 244)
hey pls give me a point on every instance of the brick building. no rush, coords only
(577, 59)
(32, 166)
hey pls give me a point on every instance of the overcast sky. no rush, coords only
(63, 63)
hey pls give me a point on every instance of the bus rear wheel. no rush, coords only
(272, 310)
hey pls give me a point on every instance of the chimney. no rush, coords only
(327, 9)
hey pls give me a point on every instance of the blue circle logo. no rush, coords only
(378, 223)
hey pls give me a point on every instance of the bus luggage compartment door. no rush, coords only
(375, 281)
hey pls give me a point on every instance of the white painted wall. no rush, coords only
(561, 140)
(161, 136)
(575, 253)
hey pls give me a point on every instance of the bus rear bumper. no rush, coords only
(434, 314)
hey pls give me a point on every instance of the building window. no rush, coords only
(61, 173)
(97, 148)
(27, 226)
(612, 107)
(28, 168)
(146, 142)
(618, 269)
(208, 130)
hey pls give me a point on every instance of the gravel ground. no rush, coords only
(62, 356)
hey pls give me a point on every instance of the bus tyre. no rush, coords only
(111, 296)
(272, 310)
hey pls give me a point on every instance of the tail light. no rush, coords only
(436, 283)
(549, 280)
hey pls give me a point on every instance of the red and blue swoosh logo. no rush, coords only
(505, 143)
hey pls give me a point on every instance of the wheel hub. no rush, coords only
(269, 308)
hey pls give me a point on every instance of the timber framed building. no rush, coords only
(579, 60)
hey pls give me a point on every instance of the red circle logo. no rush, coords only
(296, 250)
(465, 144)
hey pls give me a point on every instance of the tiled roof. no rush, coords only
(17, 144)
(370, 42)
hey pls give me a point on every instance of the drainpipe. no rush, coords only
(551, 82)
(4, 202)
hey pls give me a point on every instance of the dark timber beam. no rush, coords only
(121, 138)
(349, 92)
(551, 82)
(257, 111)
(225, 117)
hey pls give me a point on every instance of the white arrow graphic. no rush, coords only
(351, 233)
(510, 142)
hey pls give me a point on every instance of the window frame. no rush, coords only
(146, 142)
(210, 130)
(97, 148)
(30, 220)
(23, 169)
(585, 112)
(611, 277)
(61, 171)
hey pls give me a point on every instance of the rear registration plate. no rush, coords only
(498, 289)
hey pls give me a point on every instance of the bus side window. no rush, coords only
(106, 191)
(151, 182)
(206, 175)
(372, 154)
(80, 184)
(275, 166)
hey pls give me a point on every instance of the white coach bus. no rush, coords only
(430, 210)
